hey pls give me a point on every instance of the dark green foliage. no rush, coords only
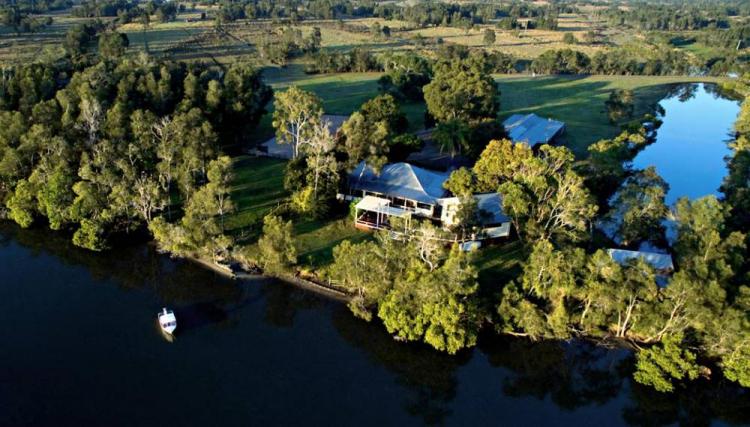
(570, 38)
(565, 61)
(357, 60)
(420, 292)
(489, 37)
(462, 89)
(405, 76)
(638, 208)
(370, 134)
(660, 365)
(276, 246)
(120, 143)
(113, 44)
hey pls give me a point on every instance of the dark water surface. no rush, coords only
(80, 347)
(691, 144)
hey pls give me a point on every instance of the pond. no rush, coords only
(81, 347)
(691, 144)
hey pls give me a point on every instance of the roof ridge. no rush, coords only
(416, 177)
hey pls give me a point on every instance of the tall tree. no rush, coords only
(462, 89)
(296, 112)
(638, 208)
(276, 245)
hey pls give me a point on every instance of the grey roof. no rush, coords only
(532, 129)
(661, 262)
(285, 151)
(400, 180)
(491, 206)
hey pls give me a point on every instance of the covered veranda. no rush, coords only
(375, 213)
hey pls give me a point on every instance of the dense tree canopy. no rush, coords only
(120, 143)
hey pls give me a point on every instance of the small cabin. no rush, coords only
(532, 129)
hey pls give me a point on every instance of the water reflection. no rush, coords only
(273, 353)
(691, 143)
(428, 376)
(573, 375)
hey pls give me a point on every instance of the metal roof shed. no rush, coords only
(660, 262)
(532, 129)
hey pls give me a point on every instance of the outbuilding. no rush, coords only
(532, 129)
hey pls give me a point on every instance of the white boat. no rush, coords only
(167, 321)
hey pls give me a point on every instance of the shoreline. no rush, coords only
(305, 284)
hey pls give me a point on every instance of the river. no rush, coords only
(691, 144)
(81, 347)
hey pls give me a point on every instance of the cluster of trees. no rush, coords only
(375, 134)
(462, 97)
(84, 44)
(36, 6)
(405, 75)
(22, 22)
(120, 142)
(406, 72)
(568, 287)
(466, 15)
(420, 291)
(738, 36)
(99, 9)
(288, 42)
(736, 187)
(664, 61)
(292, 10)
(357, 60)
(668, 17)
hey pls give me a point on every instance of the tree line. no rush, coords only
(109, 148)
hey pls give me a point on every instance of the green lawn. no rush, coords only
(499, 264)
(258, 189)
(579, 101)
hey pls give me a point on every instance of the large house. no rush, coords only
(405, 191)
(532, 129)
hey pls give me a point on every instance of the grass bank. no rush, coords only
(579, 101)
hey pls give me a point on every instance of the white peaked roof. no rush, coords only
(532, 129)
(660, 262)
(400, 180)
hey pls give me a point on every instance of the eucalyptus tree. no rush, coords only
(296, 112)
(639, 208)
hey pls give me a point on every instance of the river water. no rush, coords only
(691, 144)
(80, 346)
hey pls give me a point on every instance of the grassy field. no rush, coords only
(45, 43)
(258, 190)
(524, 44)
(579, 101)
(576, 100)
